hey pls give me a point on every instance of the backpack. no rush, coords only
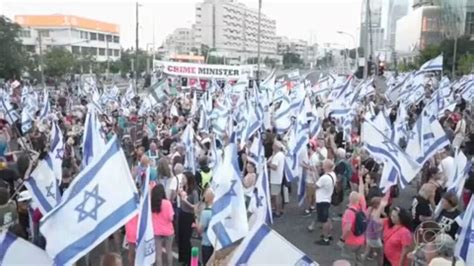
(360, 222)
(338, 194)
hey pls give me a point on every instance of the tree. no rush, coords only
(269, 62)
(12, 60)
(58, 61)
(291, 60)
(204, 50)
(466, 64)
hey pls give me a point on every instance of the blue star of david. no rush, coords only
(149, 247)
(258, 198)
(390, 146)
(60, 153)
(98, 201)
(49, 190)
(231, 191)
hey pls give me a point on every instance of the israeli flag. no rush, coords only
(464, 248)
(389, 177)
(43, 186)
(229, 216)
(426, 138)
(269, 83)
(57, 151)
(92, 142)
(188, 140)
(145, 253)
(280, 92)
(381, 147)
(467, 92)
(260, 205)
(435, 64)
(93, 209)
(46, 106)
(10, 114)
(264, 246)
(26, 121)
(281, 118)
(17, 251)
(456, 182)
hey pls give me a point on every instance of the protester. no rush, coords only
(189, 200)
(447, 217)
(204, 176)
(324, 189)
(397, 236)
(354, 225)
(204, 219)
(440, 252)
(421, 209)
(111, 259)
(163, 213)
(276, 165)
(373, 234)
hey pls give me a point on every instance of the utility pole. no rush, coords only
(258, 41)
(454, 55)
(107, 53)
(136, 49)
(40, 42)
(366, 50)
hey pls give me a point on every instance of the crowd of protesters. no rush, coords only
(342, 180)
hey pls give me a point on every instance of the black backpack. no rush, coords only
(360, 222)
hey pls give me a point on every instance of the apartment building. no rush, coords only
(81, 36)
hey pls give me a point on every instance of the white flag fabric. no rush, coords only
(145, 253)
(92, 142)
(229, 215)
(43, 186)
(17, 251)
(465, 243)
(264, 246)
(57, 151)
(95, 207)
(188, 140)
(46, 106)
(381, 147)
(435, 64)
(260, 204)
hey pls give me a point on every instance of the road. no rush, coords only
(293, 226)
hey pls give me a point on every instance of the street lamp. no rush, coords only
(355, 45)
(258, 40)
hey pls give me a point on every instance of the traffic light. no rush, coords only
(381, 68)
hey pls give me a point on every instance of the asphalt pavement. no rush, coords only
(293, 226)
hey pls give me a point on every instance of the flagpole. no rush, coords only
(258, 41)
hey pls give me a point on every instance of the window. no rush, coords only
(469, 23)
(93, 36)
(116, 39)
(44, 33)
(76, 50)
(101, 51)
(101, 37)
(25, 34)
(110, 52)
(108, 38)
(84, 35)
(116, 52)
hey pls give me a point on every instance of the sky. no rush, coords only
(310, 20)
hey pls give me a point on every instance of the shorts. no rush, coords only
(275, 189)
(310, 191)
(375, 243)
(322, 210)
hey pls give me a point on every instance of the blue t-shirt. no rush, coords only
(3, 148)
(204, 223)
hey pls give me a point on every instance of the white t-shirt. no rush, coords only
(447, 168)
(325, 187)
(276, 176)
(314, 162)
(461, 128)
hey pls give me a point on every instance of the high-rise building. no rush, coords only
(231, 29)
(392, 10)
(418, 29)
(181, 41)
(81, 36)
(374, 19)
(458, 17)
